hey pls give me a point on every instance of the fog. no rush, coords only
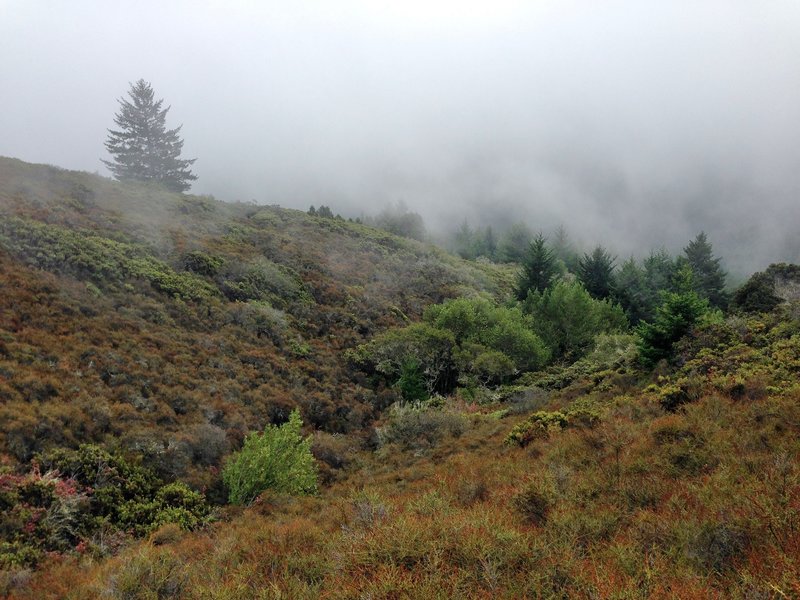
(634, 123)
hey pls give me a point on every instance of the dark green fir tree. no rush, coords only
(707, 275)
(538, 268)
(143, 149)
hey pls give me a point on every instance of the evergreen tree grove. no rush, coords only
(143, 149)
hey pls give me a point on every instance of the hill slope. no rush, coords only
(166, 327)
(171, 325)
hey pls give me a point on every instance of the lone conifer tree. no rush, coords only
(143, 149)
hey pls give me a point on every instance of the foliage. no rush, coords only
(71, 496)
(504, 330)
(538, 269)
(674, 319)
(471, 243)
(638, 289)
(596, 273)
(399, 220)
(143, 149)
(759, 293)
(564, 249)
(102, 260)
(568, 319)
(278, 459)
(429, 347)
(540, 424)
(460, 340)
(704, 500)
(419, 425)
(263, 280)
(708, 278)
(412, 382)
(201, 263)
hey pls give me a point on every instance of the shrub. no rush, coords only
(540, 424)
(537, 426)
(278, 459)
(414, 426)
(758, 293)
(674, 319)
(265, 280)
(87, 255)
(568, 319)
(202, 263)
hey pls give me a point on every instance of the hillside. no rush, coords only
(685, 488)
(476, 448)
(171, 325)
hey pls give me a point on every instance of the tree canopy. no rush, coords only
(143, 149)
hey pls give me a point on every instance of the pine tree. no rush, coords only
(538, 268)
(595, 272)
(143, 149)
(707, 274)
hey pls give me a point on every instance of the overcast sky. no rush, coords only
(634, 123)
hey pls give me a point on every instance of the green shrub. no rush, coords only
(582, 413)
(674, 318)
(537, 426)
(265, 280)
(278, 459)
(412, 382)
(568, 319)
(202, 263)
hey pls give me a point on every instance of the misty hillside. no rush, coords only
(172, 325)
(204, 399)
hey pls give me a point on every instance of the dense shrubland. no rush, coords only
(561, 427)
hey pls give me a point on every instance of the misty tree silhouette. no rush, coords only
(143, 149)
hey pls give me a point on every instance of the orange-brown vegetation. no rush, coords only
(592, 480)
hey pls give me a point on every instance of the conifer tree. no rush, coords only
(538, 268)
(595, 272)
(143, 149)
(707, 274)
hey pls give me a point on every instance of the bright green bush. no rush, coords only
(505, 330)
(568, 319)
(278, 459)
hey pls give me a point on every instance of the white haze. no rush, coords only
(634, 123)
